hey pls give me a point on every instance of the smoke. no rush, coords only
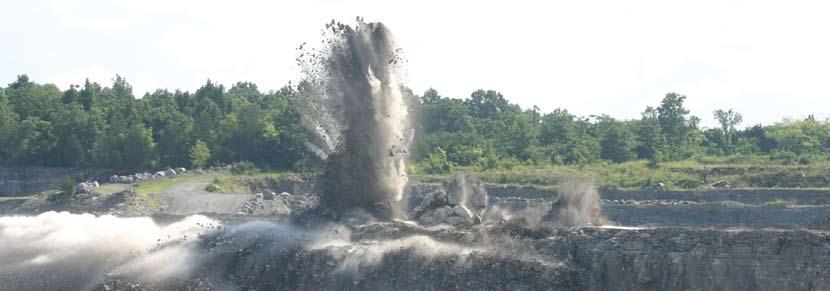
(469, 192)
(578, 205)
(63, 251)
(531, 216)
(362, 118)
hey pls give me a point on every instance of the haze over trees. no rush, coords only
(106, 126)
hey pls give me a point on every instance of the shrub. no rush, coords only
(437, 162)
(244, 168)
(213, 188)
(779, 203)
(68, 185)
(785, 157)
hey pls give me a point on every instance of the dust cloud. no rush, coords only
(363, 119)
(63, 251)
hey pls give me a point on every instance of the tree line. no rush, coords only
(488, 131)
(97, 126)
(107, 127)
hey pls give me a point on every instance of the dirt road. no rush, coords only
(190, 197)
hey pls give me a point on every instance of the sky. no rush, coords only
(768, 60)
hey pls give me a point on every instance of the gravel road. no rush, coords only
(190, 197)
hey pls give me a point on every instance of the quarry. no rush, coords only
(362, 223)
(715, 241)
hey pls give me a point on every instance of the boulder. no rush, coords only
(121, 179)
(85, 188)
(170, 173)
(140, 177)
(95, 184)
(463, 205)
(468, 191)
(268, 195)
(180, 170)
(160, 174)
(259, 195)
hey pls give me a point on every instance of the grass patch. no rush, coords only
(240, 183)
(780, 203)
(689, 174)
(113, 188)
(157, 186)
(228, 184)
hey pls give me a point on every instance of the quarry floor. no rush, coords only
(723, 239)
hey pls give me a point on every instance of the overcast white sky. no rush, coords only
(766, 59)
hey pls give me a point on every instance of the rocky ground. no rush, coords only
(401, 256)
(465, 239)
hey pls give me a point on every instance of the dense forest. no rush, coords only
(108, 127)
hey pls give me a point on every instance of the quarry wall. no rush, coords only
(21, 181)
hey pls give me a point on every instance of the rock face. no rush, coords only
(721, 215)
(687, 259)
(21, 181)
(556, 259)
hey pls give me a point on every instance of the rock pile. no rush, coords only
(463, 201)
(283, 204)
(86, 189)
(146, 176)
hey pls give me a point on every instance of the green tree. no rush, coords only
(617, 143)
(138, 147)
(33, 100)
(437, 162)
(800, 136)
(35, 142)
(728, 120)
(673, 124)
(568, 138)
(72, 152)
(199, 154)
(87, 95)
(650, 140)
(8, 130)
